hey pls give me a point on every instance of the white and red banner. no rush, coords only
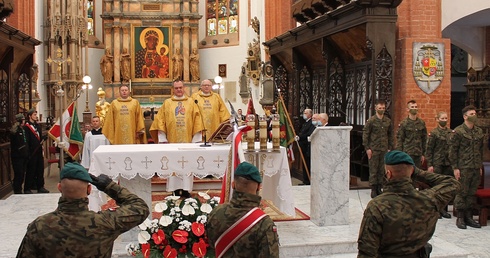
(237, 156)
(70, 133)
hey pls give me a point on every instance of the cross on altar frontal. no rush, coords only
(183, 161)
(146, 161)
(218, 161)
(110, 162)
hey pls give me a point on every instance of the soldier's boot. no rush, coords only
(445, 214)
(374, 191)
(468, 219)
(460, 220)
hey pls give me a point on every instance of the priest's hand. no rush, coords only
(101, 181)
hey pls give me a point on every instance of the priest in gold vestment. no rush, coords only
(124, 120)
(177, 121)
(213, 109)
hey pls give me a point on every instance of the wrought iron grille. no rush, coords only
(336, 74)
(281, 82)
(305, 89)
(384, 75)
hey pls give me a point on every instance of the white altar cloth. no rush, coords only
(146, 160)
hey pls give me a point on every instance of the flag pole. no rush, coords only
(294, 132)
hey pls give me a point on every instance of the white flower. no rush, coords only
(177, 209)
(187, 209)
(172, 198)
(161, 207)
(146, 224)
(202, 219)
(131, 248)
(165, 220)
(206, 207)
(216, 199)
(190, 200)
(205, 196)
(143, 237)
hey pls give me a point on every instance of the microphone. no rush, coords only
(203, 126)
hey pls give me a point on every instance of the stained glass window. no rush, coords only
(221, 17)
(90, 17)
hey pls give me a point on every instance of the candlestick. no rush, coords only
(251, 133)
(276, 141)
(263, 132)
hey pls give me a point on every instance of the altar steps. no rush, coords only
(159, 184)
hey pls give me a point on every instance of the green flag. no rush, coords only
(286, 131)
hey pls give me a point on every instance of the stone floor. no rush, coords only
(297, 238)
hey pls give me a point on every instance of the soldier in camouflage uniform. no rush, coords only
(74, 231)
(438, 151)
(412, 135)
(400, 222)
(377, 139)
(261, 241)
(466, 156)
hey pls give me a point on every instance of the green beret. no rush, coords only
(248, 171)
(398, 157)
(19, 117)
(74, 170)
(31, 111)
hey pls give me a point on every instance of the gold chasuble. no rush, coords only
(122, 122)
(179, 119)
(214, 110)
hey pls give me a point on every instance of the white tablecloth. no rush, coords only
(146, 160)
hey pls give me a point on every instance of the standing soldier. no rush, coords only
(377, 139)
(466, 156)
(438, 151)
(412, 135)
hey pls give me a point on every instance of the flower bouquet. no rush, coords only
(180, 230)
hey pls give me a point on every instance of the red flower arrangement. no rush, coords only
(180, 230)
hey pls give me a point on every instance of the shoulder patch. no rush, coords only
(274, 228)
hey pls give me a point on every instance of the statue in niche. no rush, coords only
(178, 61)
(194, 65)
(125, 66)
(102, 106)
(106, 66)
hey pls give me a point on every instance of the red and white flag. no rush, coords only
(237, 156)
(71, 134)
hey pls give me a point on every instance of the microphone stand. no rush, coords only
(203, 126)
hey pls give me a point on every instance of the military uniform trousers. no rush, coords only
(470, 179)
(417, 160)
(377, 168)
(446, 170)
(20, 166)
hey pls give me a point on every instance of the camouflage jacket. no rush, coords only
(260, 241)
(378, 134)
(438, 147)
(401, 220)
(466, 148)
(74, 231)
(412, 137)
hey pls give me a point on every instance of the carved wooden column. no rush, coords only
(186, 51)
(117, 52)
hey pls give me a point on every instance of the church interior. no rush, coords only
(332, 56)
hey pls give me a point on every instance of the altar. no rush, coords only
(135, 165)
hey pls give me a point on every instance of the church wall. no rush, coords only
(22, 17)
(421, 28)
(39, 17)
(233, 56)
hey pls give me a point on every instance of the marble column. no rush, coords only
(330, 160)
(142, 188)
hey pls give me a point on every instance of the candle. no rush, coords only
(276, 141)
(130, 86)
(263, 132)
(251, 133)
